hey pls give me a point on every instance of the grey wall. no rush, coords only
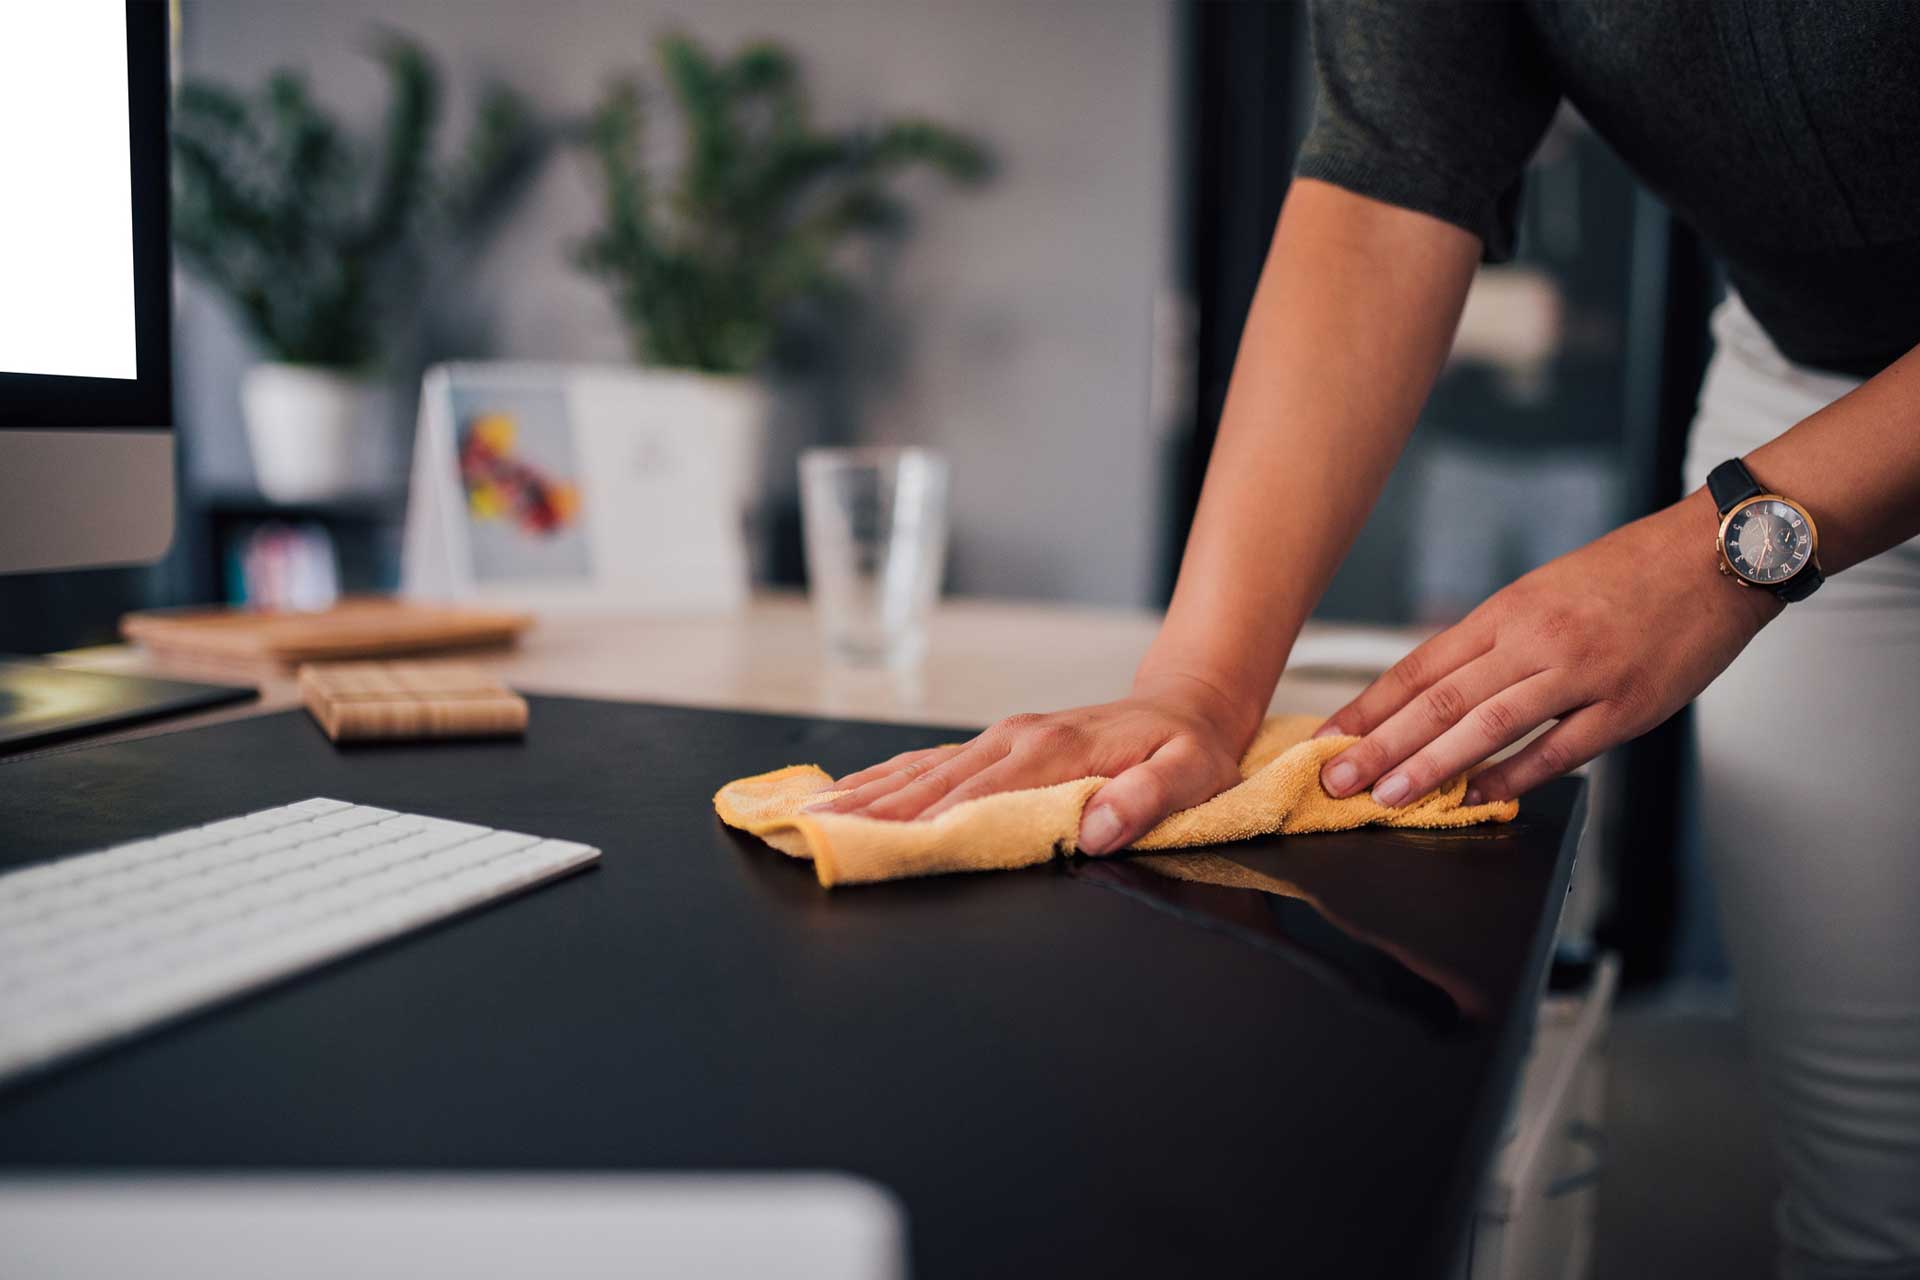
(1025, 313)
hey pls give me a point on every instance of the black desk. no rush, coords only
(1049, 1072)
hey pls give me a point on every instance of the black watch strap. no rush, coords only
(1801, 585)
(1731, 484)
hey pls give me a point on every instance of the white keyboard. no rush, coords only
(104, 944)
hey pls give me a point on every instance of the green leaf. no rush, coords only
(706, 268)
(316, 238)
(412, 113)
(504, 148)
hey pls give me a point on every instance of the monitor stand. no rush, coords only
(41, 703)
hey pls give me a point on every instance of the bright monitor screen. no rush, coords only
(66, 201)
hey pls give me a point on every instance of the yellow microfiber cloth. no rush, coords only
(1279, 792)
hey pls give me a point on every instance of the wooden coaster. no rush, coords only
(360, 701)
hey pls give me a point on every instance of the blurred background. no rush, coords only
(1052, 301)
(1062, 329)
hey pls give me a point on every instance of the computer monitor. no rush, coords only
(86, 395)
(86, 413)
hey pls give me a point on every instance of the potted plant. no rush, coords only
(709, 266)
(319, 241)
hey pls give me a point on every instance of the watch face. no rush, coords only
(1768, 542)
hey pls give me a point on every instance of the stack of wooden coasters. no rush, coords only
(363, 701)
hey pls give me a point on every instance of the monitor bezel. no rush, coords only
(43, 401)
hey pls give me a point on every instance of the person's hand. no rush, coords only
(1173, 744)
(1609, 640)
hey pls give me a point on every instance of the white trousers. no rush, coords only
(1810, 777)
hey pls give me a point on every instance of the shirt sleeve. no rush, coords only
(1431, 105)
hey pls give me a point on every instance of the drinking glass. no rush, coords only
(875, 524)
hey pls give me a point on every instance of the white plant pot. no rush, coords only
(303, 428)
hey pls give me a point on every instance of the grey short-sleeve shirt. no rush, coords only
(1787, 133)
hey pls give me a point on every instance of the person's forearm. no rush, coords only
(1353, 317)
(1855, 465)
(1609, 640)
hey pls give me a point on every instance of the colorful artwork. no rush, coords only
(521, 481)
(501, 486)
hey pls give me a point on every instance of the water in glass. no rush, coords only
(875, 523)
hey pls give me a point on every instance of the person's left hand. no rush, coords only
(1610, 640)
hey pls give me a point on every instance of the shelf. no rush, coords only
(350, 508)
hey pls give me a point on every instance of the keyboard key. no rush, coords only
(312, 808)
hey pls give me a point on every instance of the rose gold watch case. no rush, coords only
(1726, 562)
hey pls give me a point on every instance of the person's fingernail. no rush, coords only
(819, 806)
(1099, 831)
(1340, 777)
(1473, 797)
(1392, 791)
(1327, 731)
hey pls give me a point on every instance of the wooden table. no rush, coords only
(986, 659)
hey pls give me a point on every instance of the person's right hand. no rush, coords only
(1171, 745)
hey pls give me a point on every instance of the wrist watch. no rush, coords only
(1765, 540)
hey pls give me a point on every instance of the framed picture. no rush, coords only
(578, 486)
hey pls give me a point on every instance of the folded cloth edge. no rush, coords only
(1279, 793)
